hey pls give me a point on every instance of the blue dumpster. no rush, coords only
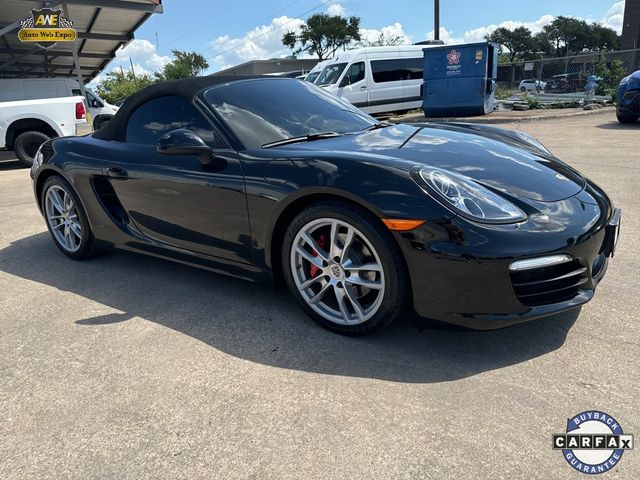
(460, 80)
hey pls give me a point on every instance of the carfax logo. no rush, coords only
(593, 443)
(46, 27)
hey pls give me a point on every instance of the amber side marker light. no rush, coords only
(402, 225)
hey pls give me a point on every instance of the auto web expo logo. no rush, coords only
(46, 27)
(593, 443)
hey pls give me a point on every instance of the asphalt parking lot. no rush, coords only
(129, 367)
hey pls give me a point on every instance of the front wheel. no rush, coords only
(66, 219)
(345, 269)
(622, 118)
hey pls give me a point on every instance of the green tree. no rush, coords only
(603, 38)
(567, 34)
(543, 43)
(119, 84)
(574, 35)
(323, 34)
(183, 65)
(382, 41)
(519, 41)
(611, 74)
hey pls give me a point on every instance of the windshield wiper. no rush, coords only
(302, 138)
(376, 126)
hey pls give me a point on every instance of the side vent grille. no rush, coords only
(546, 285)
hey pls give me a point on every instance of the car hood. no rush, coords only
(496, 158)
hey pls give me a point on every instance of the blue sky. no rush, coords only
(242, 30)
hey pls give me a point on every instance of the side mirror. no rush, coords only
(184, 142)
(345, 81)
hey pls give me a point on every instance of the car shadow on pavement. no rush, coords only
(263, 325)
(8, 161)
(614, 125)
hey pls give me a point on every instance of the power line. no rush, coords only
(207, 22)
(270, 30)
(270, 17)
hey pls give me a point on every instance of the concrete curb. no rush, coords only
(501, 120)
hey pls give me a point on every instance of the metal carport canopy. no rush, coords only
(103, 26)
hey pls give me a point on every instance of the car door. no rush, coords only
(174, 199)
(354, 86)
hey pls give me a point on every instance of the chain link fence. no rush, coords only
(575, 68)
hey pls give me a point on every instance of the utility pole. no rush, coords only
(436, 19)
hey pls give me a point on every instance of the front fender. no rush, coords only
(275, 186)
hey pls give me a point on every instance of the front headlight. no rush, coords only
(468, 198)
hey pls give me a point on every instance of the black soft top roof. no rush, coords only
(188, 88)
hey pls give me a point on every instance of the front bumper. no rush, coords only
(629, 103)
(460, 273)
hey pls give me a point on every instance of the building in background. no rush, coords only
(274, 66)
(631, 25)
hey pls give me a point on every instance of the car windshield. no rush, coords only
(311, 78)
(264, 111)
(330, 74)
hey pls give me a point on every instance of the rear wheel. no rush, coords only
(523, 89)
(27, 144)
(622, 118)
(66, 219)
(345, 269)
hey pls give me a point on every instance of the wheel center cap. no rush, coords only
(336, 272)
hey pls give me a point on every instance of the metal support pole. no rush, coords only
(76, 61)
(436, 19)
(9, 28)
(17, 59)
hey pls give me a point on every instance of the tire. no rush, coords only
(26, 145)
(81, 244)
(364, 310)
(622, 118)
(523, 89)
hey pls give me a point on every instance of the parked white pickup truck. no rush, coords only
(25, 125)
(14, 89)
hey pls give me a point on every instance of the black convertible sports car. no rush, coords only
(273, 178)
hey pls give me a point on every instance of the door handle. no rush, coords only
(363, 87)
(117, 172)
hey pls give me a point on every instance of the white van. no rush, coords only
(377, 79)
(18, 89)
(315, 72)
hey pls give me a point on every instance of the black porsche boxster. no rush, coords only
(271, 179)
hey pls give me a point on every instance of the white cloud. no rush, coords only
(261, 43)
(612, 19)
(390, 31)
(142, 53)
(336, 9)
(478, 34)
(446, 36)
(614, 16)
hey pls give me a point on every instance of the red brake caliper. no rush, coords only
(322, 243)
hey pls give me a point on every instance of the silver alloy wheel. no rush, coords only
(62, 216)
(337, 271)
